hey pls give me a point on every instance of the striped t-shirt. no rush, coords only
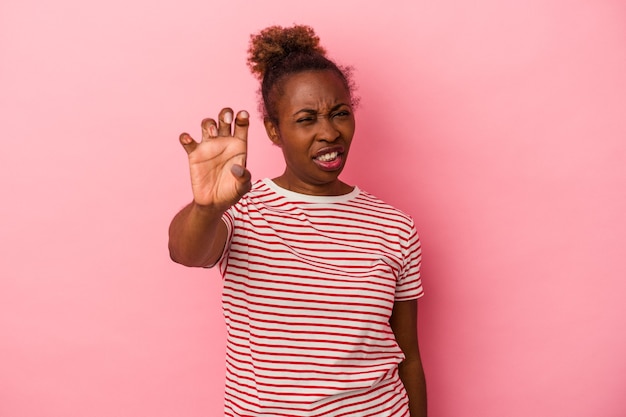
(309, 286)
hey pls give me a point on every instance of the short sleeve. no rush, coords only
(409, 283)
(229, 220)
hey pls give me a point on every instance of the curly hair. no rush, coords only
(276, 52)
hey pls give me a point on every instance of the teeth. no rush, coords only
(328, 156)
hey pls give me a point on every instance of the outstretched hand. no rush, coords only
(217, 164)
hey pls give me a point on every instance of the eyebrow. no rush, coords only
(313, 111)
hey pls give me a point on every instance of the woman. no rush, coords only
(320, 277)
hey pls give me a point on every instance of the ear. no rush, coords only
(272, 131)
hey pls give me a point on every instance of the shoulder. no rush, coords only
(259, 187)
(259, 191)
(260, 196)
(381, 208)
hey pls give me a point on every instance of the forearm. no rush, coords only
(412, 376)
(403, 322)
(197, 236)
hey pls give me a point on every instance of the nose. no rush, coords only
(328, 131)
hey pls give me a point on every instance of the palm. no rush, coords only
(210, 166)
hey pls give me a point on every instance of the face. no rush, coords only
(314, 130)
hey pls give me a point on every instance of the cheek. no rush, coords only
(348, 130)
(348, 124)
(294, 150)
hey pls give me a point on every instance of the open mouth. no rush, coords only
(329, 160)
(328, 157)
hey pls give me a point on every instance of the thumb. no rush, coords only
(243, 177)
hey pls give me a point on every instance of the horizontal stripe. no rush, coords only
(309, 286)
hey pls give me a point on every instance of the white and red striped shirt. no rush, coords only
(309, 286)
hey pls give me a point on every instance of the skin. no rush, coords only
(197, 234)
(314, 117)
(403, 322)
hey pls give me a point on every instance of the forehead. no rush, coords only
(313, 89)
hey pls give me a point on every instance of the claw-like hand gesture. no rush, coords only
(217, 164)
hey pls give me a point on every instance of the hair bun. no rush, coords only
(275, 43)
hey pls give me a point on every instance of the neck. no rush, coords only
(334, 188)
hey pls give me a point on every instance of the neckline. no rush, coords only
(308, 198)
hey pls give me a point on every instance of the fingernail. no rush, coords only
(212, 130)
(228, 117)
(237, 170)
(244, 114)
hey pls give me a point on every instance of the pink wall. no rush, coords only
(499, 125)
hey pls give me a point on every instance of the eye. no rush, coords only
(306, 119)
(342, 114)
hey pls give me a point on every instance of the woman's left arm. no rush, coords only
(403, 322)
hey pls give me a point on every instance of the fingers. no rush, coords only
(225, 119)
(241, 125)
(209, 129)
(239, 171)
(223, 128)
(241, 132)
(188, 143)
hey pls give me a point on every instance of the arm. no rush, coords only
(197, 234)
(403, 322)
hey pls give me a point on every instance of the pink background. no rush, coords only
(499, 125)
